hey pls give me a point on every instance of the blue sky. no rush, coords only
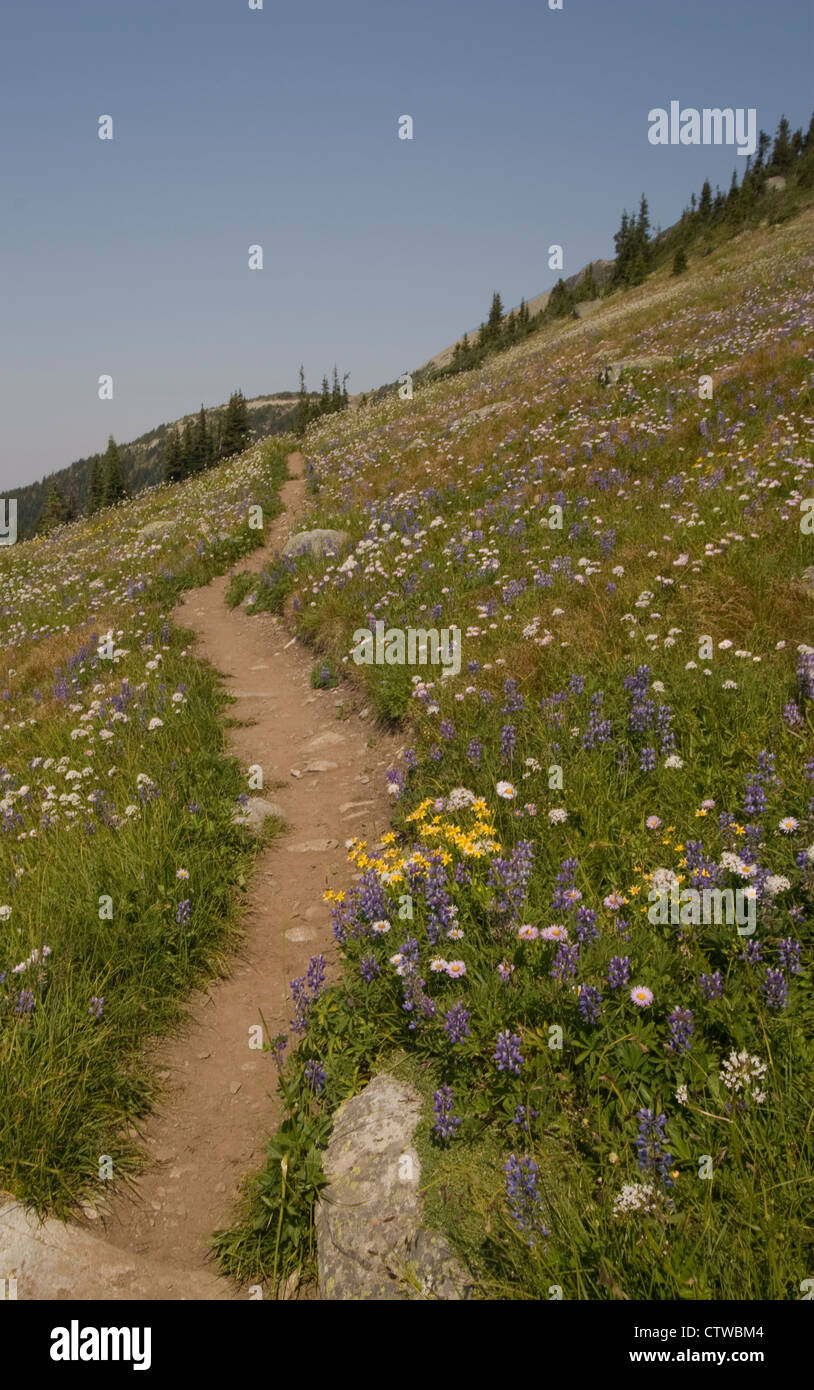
(234, 127)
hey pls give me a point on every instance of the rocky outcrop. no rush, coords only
(370, 1240)
(586, 308)
(611, 372)
(320, 542)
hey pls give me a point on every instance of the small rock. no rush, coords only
(234, 1087)
(354, 806)
(300, 934)
(312, 847)
(202, 1056)
(320, 766)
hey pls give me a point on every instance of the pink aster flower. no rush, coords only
(641, 996)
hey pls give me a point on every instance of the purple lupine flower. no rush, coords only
(792, 715)
(775, 990)
(395, 782)
(711, 986)
(410, 759)
(369, 968)
(456, 1023)
(25, 1002)
(647, 760)
(589, 1003)
(523, 1117)
(474, 752)
(435, 753)
(96, 1007)
(305, 991)
(507, 1052)
(650, 1151)
(752, 953)
(566, 962)
(586, 929)
(447, 730)
(445, 1122)
(682, 1028)
(513, 700)
(277, 1047)
(182, 912)
(564, 881)
(523, 1196)
(618, 971)
(315, 1076)
(789, 952)
(508, 739)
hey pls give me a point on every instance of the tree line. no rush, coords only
(709, 218)
(312, 405)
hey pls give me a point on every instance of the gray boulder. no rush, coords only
(807, 580)
(320, 542)
(370, 1241)
(586, 308)
(611, 372)
(253, 815)
(776, 183)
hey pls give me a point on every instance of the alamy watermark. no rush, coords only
(396, 646)
(8, 521)
(711, 126)
(694, 907)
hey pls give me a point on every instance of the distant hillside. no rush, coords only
(144, 457)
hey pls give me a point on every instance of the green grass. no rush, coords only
(119, 853)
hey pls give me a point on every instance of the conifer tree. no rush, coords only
(53, 511)
(781, 154)
(336, 391)
(173, 458)
(96, 485)
(680, 261)
(203, 444)
(705, 201)
(303, 405)
(187, 448)
(495, 318)
(115, 484)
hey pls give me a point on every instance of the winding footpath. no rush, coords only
(326, 774)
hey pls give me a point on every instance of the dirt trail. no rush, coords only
(219, 1105)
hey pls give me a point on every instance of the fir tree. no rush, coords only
(173, 458)
(680, 261)
(495, 318)
(96, 485)
(188, 448)
(303, 405)
(115, 484)
(203, 443)
(53, 511)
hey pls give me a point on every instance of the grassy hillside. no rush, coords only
(615, 1107)
(121, 867)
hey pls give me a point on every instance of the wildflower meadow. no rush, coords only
(616, 1107)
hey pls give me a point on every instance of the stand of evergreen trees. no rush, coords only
(311, 406)
(107, 485)
(201, 444)
(709, 218)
